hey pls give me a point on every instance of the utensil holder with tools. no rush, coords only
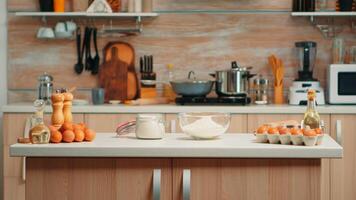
(278, 73)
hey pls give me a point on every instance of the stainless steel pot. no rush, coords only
(192, 87)
(234, 81)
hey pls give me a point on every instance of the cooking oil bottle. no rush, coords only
(168, 91)
(39, 133)
(311, 116)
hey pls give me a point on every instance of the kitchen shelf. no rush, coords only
(329, 28)
(138, 17)
(83, 14)
(324, 14)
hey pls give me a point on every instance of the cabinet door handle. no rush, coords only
(339, 132)
(26, 135)
(186, 184)
(173, 126)
(156, 184)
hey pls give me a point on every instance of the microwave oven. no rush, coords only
(341, 84)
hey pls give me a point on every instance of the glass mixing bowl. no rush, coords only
(204, 125)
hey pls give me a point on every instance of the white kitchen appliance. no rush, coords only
(342, 84)
(298, 91)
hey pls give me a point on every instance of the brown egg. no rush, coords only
(77, 126)
(56, 137)
(52, 128)
(309, 132)
(68, 136)
(78, 135)
(67, 126)
(296, 131)
(318, 131)
(273, 130)
(89, 135)
(83, 126)
(262, 129)
(284, 130)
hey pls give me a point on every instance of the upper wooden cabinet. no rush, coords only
(343, 171)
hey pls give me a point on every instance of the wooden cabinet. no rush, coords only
(343, 171)
(238, 123)
(254, 120)
(246, 179)
(14, 126)
(98, 178)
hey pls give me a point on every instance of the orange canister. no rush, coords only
(59, 5)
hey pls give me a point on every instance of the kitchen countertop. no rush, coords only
(178, 145)
(172, 108)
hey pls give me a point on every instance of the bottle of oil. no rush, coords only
(311, 116)
(39, 133)
(168, 91)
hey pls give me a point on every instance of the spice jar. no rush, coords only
(260, 85)
(149, 126)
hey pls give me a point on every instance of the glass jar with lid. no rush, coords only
(260, 86)
(150, 126)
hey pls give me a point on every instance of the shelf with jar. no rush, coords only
(329, 19)
(93, 9)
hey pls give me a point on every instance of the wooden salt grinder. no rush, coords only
(57, 106)
(67, 107)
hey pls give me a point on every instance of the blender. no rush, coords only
(306, 52)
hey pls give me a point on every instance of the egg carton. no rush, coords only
(288, 139)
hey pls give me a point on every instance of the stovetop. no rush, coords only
(242, 99)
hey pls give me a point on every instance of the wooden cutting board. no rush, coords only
(113, 77)
(117, 74)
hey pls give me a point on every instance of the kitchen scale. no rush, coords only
(305, 81)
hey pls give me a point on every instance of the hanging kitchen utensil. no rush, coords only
(85, 48)
(96, 60)
(89, 59)
(79, 66)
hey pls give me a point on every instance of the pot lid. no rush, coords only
(191, 79)
(260, 81)
(45, 78)
(237, 67)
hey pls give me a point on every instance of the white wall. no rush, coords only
(3, 72)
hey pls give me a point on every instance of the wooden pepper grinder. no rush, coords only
(67, 107)
(57, 106)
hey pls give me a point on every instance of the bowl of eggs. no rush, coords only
(287, 135)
